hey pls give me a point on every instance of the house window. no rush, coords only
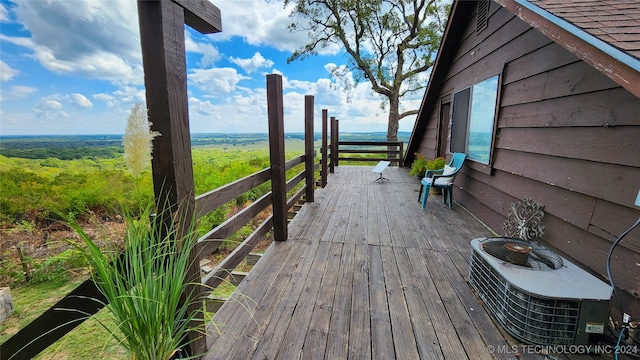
(473, 120)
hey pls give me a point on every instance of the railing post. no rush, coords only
(323, 149)
(275, 113)
(308, 147)
(337, 143)
(164, 61)
(401, 155)
(332, 153)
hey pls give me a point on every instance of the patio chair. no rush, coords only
(442, 179)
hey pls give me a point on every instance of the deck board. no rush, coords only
(365, 274)
(338, 341)
(381, 342)
(403, 337)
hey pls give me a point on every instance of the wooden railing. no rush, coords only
(164, 62)
(210, 241)
(392, 150)
(87, 299)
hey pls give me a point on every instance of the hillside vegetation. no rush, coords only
(43, 178)
(36, 192)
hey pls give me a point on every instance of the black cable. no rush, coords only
(615, 243)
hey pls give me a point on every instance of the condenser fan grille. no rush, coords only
(531, 319)
(561, 307)
(522, 253)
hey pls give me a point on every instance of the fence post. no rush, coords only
(334, 128)
(323, 149)
(308, 147)
(275, 113)
(164, 61)
(401, 155)
(332, 152)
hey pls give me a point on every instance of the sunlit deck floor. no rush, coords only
(365, 274)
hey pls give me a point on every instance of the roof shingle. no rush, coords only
(616, 22)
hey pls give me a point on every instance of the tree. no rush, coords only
(389, 42)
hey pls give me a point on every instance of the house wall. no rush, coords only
(567, 137)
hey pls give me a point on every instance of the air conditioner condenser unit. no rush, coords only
(536, 295)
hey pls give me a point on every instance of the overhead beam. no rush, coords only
(201, 15)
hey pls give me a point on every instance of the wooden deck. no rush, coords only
(365, 274)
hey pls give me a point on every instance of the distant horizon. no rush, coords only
(199, 133)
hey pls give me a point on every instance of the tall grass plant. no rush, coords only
(146, 288)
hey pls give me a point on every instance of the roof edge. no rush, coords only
(584, 36)
(618, 66)
(446, 51)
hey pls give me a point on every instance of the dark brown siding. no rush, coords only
(568, 137)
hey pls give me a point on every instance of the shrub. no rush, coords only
(421, 164)
(57, 268)
(436, 164)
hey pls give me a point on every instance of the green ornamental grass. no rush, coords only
(145, 285)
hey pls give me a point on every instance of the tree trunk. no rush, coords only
(392, 128)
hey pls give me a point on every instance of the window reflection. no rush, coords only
(483, 107)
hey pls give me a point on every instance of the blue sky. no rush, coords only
(74, 67)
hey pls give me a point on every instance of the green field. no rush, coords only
(42, 178)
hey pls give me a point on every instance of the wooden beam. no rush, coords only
(275, 110)
(208, 202)
(308, 147)
(201, 15)
(84, 301)
(222, 270)
(333, 146)
(335, 130)
(164, 61)
(323, 149)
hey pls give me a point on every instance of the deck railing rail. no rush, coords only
(62, 317)
(167, 103)
(381, 150)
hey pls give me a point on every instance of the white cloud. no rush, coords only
(4, 13)
(259, 22)
(92, 39)
(6, 72)
(81, 101)
(20, 91)
(109, 99)
(202, 107)
(16, 92)
(53, 106)
(216, 81)
(253, 64)
(50, 109)
(129, 95)
(246, 110)
(209, 53)
(121, 100)
(241, 113)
